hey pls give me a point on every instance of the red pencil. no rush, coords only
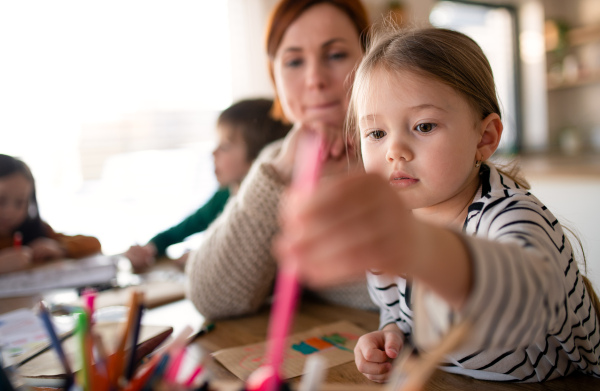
(17, 240)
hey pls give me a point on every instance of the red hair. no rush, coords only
(287, 11)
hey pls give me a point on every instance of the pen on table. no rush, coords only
(117, 360)
(85, 349)
(307, 169)
(17, 240)
(206, 327)
(45, 316)
(135, 337)
(314, 373)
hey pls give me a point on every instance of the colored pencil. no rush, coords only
(309, 159)
(54, 340)
(135, 337)
(17, 240)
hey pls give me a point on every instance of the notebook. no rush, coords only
(66, 273)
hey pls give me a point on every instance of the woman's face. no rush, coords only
(317, 53)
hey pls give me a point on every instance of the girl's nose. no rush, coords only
(398, 150)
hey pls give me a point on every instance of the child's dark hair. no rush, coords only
(32, 228)
(251, 119)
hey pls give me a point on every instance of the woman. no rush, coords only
(313, 46)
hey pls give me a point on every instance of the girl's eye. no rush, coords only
(425, 128)
(377, 134)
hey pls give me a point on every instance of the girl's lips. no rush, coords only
(400, 179)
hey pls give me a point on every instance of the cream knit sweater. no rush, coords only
(233, 271)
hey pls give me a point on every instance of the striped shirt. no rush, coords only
(532, 314)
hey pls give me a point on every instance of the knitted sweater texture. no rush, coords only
(233, 271)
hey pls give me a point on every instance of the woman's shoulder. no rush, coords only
(269, 151)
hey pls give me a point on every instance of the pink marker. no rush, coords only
(309, 160)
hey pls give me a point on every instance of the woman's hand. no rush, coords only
(375, 351)
(46, 249)
(335, 147)
(141, 257)
(13, 259)
(348, 225)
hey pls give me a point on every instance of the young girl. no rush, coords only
(446, 235)
(20, 222)
(243, 129)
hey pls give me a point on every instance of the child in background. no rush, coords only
(447, 236)
(20, 222)
(243, 130)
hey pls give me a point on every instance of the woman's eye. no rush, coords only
(338, 56)
(425, 128)
(377, 134)
(293, 63)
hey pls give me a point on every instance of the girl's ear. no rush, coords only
(491, 131)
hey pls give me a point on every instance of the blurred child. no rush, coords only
(447, 235)
(20, 222)
(243, 130)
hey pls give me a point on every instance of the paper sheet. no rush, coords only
(335, 342)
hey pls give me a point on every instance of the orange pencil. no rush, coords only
(117, 360)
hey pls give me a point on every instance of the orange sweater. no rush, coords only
(77, 246)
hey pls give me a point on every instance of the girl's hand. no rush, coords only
(46, 249)
(12, 259)
(348, 225)
(335, 147)
(141, 257)
(375, 351)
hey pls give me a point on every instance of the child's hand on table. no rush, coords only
(12, 259)
(45, 249)
(141, 257)
(375, 351)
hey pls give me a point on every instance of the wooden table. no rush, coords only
(252, 329)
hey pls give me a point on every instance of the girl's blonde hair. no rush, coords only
(447, 56)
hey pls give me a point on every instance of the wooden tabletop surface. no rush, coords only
(252, 329)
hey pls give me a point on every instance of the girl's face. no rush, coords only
(230, 157)
(422, 136)
(15, 192)
(316, 54)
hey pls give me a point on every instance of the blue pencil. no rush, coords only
(45, 316)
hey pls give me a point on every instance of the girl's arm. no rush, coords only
(358, 223)
(12, 259)
(76, 246)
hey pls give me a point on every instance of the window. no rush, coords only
(96, 89)
(494, 28)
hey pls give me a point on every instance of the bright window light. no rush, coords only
(84, 85)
